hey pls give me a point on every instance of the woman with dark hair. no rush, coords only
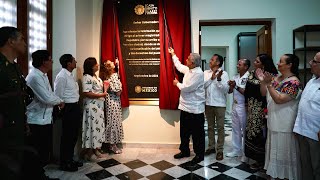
(93, 126)
(282, 97)
(114, 129)
(255, 135)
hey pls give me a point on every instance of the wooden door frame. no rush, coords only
(233, 22)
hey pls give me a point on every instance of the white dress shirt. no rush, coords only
(240, 82)
(39, 111)
(216, 91)
(66, 87)
(308, 119)
(192, 96)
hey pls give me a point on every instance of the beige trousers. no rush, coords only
(215, 118)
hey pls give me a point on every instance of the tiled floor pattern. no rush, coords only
(157, 163)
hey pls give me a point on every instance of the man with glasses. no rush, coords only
(307, 125)
(192, 105)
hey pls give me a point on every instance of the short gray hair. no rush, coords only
(196, 59)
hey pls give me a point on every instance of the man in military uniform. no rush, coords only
(17, 161)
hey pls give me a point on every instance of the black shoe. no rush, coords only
(71, 167)
(77, 163)
(197, 159)
(181, 155)
(210, 151)
(219, 156)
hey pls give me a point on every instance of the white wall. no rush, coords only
(63, 31)
(226, 36)
(288, 14)
(76, 30)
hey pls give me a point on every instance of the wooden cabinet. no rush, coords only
(306, 43)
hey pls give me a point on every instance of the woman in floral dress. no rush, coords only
(256, 127)
(93, 125)
(114, 130)
(283, 97)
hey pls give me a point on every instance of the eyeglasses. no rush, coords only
(314, 61)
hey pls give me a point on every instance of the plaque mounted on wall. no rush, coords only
(140, 44)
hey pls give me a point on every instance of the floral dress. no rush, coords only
(114, 130)
(256, 127)
(93, 125)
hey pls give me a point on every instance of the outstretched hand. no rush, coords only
(171, 51)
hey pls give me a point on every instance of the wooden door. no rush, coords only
(264, 40)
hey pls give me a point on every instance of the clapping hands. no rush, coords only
(264, 77)
(259, 74)
(215, 75)
(232, 83)
(267, 77)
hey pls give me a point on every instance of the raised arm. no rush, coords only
(180, 67)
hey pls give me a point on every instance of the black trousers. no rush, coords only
(70, 128)
(192, 125)
(41, 140)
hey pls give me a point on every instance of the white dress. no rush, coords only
(114, 130)
(93, 125)
(282, 152)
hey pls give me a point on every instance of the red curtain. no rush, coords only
(175, 30)
(110, 45)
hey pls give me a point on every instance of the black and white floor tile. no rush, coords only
(156, 162)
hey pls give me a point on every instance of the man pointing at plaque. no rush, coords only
(192, 105)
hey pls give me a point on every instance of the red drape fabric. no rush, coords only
(176, 30)
(110, 45)
(177, 16)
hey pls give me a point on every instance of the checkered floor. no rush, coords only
(137, 169)
(157, 162)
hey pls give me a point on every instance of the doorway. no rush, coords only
(215, 34)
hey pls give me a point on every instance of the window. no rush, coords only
(37, 31)
(8, 12)
(33, 18)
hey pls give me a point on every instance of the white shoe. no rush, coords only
(233, 154)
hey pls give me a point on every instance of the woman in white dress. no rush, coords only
(282, 91)
(93, 125)
(114, 130)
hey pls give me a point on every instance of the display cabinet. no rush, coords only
(306, 43)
